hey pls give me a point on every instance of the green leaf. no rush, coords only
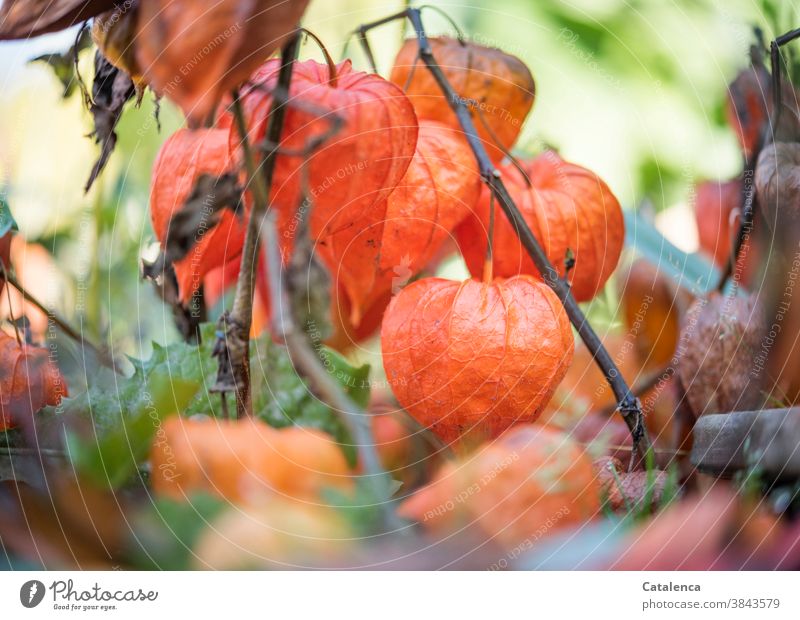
(7, 222)
(110, 457)
(692, 272)
(354, 380)
(362, 508)
(281, 398)
(178, 378)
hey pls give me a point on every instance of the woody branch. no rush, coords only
(628, 405)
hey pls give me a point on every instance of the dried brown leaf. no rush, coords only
(111, 90)
(22, 19)
(196, 52)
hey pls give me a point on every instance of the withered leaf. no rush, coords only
(188, 318)
(111, 90)
(63, 63)
(23, 19)
(196, 52)
(209, 196)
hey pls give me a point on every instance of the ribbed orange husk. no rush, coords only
(184, 157)
(195, 53)
(470, 359)
(245, 460)
(438, 191)
(568, 208)
(351, 173)
(528, 484)
(29, 381)
(500, 85)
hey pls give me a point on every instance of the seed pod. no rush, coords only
(398, 241)
(748, 105)
(778, 183)
(469, 360)
(526, 485)
(29, 381)
(720, 340)
(570, 210)
(182, 160)
(628, 491)
(243, 460)
(498, 87)
(114, 33)
(197, 52)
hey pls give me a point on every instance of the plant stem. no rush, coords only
(234, 352)
(629, 407)
(488, 263)
(309, 365)
(62, 324)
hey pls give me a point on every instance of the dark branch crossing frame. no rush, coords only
(628, 405)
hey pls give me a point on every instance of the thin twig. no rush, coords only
(641, 388)
(629, 407)
(45, 452)
(102, 356)
(233, 348)
(309, 365)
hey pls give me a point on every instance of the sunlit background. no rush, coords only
(632, 89)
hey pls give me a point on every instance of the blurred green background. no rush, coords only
(632, 89)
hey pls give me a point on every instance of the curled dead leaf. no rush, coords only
(196, 52)
(716, 530)
(111, 90)
(23, 19)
